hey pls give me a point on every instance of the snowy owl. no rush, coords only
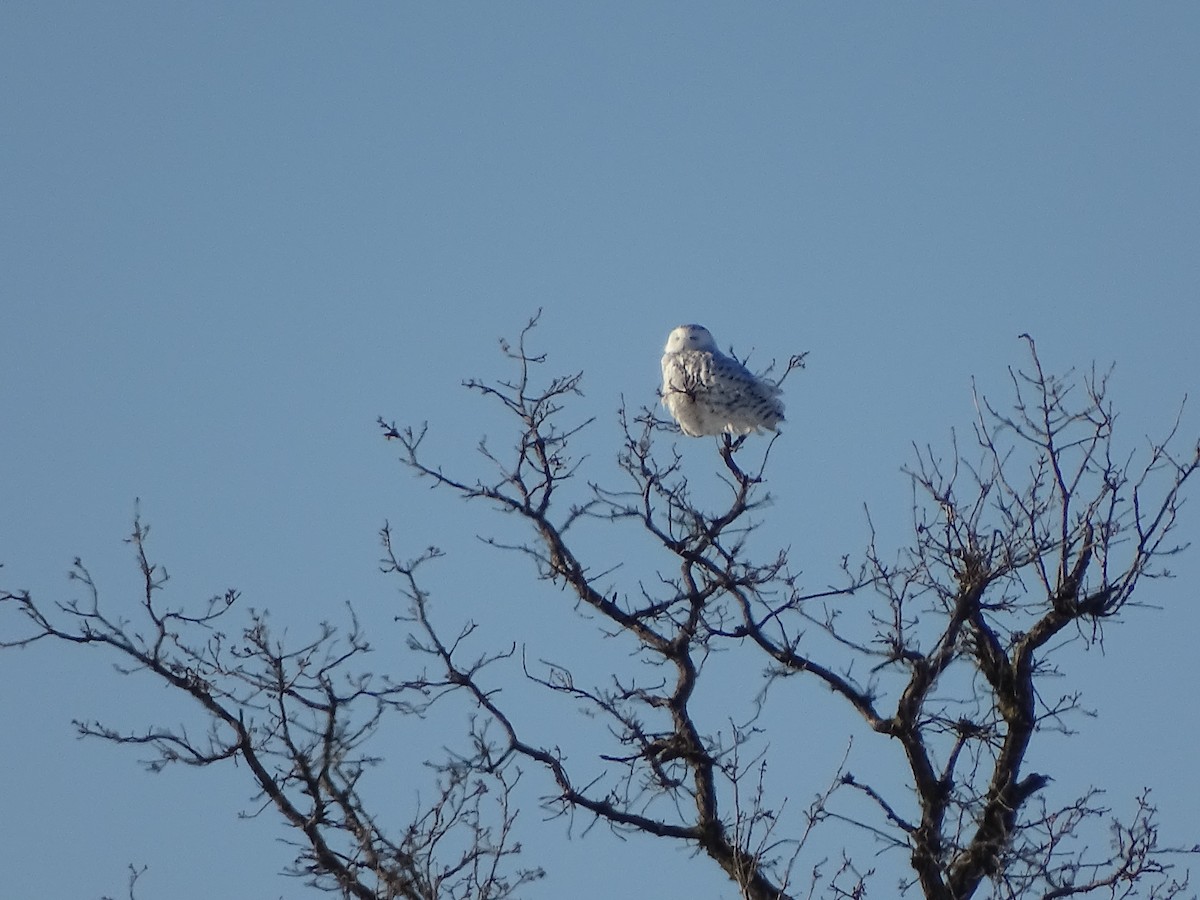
(707, 392)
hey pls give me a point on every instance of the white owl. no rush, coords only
(707, 392)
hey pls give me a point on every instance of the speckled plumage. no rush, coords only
(707, 392)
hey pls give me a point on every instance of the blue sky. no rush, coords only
(232, 234)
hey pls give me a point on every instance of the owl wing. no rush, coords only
(731, 381)
(708, 393)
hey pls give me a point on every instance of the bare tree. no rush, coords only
(1039, 531)
(300, 718)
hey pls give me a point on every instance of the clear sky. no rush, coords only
(232, 234)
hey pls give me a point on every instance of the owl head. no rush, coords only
(690, 337)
